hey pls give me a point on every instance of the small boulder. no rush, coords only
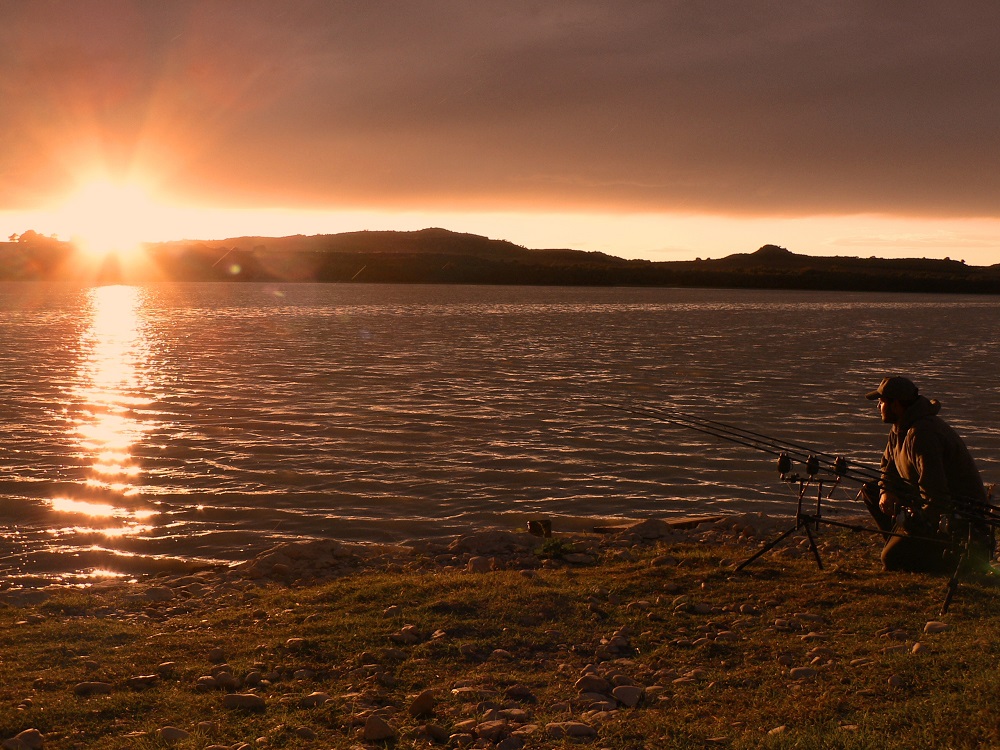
(377, 730)
(244, 702)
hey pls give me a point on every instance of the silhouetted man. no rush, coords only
(930, 488)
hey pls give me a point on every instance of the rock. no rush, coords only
(423, 704)
(651, 528)
(521, 693)
(628, 695)
(143, 681)
(436, 732)
(244, 702)
(511, 743)
(492, 542)
(377, 730)
(778, 730)
(579, 558)
(896, 681)
(165, 669)
(216, 655)
(935, 626)
(314, 700)
(206, 682)
(159, 594)
(305, 733)
(227, 680)
(802, 673)
(492, 731)
(919, 648)
(92, 688)
(479, 564)
(575, 729)
(29, 739)
(173, 734)
(592, 683)
(663, 561)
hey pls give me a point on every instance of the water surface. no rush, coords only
(210, 421)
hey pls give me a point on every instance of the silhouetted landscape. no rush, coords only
(439, 256)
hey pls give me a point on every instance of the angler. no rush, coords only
(929, 488)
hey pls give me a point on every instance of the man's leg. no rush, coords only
(917, 554)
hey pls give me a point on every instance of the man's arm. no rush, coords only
(928, 457)
(887, 501)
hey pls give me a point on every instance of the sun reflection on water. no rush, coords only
(108, 393)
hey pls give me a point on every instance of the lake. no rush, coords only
(211, 421)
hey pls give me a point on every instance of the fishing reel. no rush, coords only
(812, 467)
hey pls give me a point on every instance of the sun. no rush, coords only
(104, 216)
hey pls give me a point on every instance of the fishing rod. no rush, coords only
(908, 492)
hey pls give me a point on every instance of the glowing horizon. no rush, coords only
(651, 236)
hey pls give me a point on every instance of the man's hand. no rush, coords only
(887, 504)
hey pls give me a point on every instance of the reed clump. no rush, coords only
(646, 644)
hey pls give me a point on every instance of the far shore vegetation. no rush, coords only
(438, 256)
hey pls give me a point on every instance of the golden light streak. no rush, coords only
(110, 390)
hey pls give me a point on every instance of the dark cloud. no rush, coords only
(725, 106)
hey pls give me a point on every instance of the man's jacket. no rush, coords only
(928, 454)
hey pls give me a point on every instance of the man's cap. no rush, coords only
(895, 388)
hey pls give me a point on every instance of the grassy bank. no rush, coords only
(638, 644)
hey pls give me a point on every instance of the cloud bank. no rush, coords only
(733, 107)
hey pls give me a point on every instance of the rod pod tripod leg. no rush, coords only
(802, 521)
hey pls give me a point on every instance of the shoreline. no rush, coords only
(308, 561)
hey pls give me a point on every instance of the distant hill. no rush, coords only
(440, 256)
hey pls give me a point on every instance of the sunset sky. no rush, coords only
(664, 130)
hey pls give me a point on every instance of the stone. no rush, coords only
(244, 702)
(651, 528)
(206, 682)
(436, 732)
(492, 731)
(479, 564)
(159, 594)
(802, 673)
(511, 743)
(166, 668)
(173, 734)
(92, 688)
(378, 730)
(628, 695)
(492, 542)
(592, 683)
(29, 739)
(663, 561)
(574, 729)
(142, 682)
(935, 626)
(314, 700)
(423, 704)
